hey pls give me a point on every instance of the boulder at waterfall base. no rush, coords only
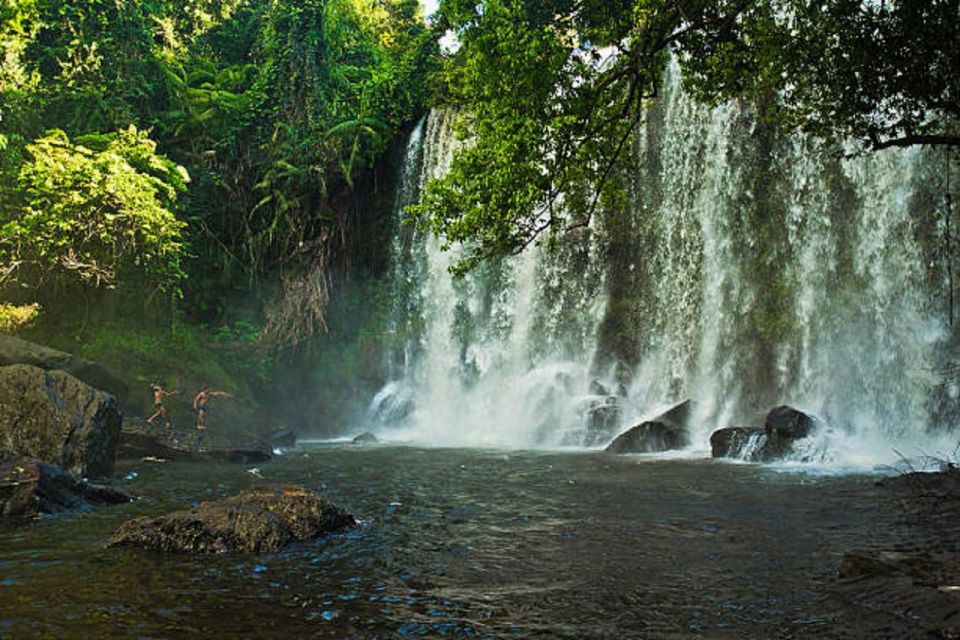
(783, 426)
(789, 423)
(52, 416)
(669, 430)
(30, 488)
(259, 520)
(366, 438)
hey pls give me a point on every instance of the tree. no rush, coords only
(550, 93)
(95, 212)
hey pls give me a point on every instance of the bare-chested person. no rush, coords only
(159, 395)
(200, 404)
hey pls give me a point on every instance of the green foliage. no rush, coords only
(16, 317)
(95, 211)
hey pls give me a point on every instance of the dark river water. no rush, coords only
(469, 543)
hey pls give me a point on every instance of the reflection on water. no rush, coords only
(466, 543)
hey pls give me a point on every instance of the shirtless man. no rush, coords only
(200, 404)
(159, 395)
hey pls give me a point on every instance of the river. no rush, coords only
(472, 543)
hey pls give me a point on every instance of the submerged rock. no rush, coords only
(366, 438)
(59, 419)
(30, 488)
(17, 351)
(669, 430)
(141, 441)
(262, 519)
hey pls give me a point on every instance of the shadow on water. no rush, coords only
(467, 543)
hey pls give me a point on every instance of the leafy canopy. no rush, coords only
(94, 211)
(550, 93)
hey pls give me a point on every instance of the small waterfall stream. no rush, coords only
(753, 268)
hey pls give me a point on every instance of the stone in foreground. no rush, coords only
(669, 430)
(260, 520)
(30, 488)
(52, 416)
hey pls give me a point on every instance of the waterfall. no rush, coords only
(753, 268)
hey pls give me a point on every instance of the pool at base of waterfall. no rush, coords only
(474, 544)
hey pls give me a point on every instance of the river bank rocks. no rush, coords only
(260, 520)
(140, 440)
(783, 427)
(366, 438)
(917, 578)
(30, 488)
(17, 351)
(667, 431)
(58, 419)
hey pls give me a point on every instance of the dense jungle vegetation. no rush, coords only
(186, 185)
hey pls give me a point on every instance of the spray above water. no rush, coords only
(753, 269)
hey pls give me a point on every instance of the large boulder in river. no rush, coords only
(259, 520)
(789, 423)
(783, 426)
(17, 351)
(669, 430)
(29, 488)
(748, 443)
(53, 416)
(139, 440)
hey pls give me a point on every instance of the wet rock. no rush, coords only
(669, 430)
(602, 420)
(58, 419)
(366, 438)
(138, 441)
(748, 443)
(262, 519)
(30, 488)
(284, 438)
(789, 423)
(17, 351)
(783, 426)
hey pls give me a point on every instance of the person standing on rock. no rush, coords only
(200, 404)
(159, 395)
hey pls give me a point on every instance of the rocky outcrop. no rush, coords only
(53, 416)
(138, 441)
(30, 488)
(917, 579)
(366, 438)
(669, 430)
(783, 427)
(260, 520)
(17, 351)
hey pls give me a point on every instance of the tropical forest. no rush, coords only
(480, 318)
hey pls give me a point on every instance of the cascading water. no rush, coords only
(754, 269)
(500, 357)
